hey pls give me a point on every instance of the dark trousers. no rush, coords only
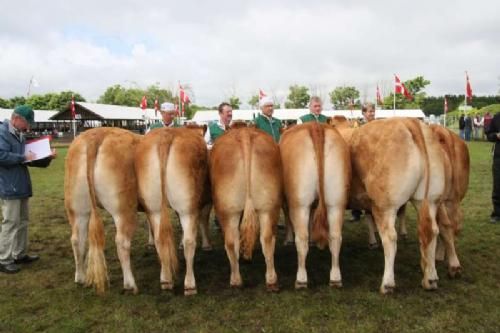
(495, 197)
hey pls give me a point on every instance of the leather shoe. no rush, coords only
(26, 259)
(9, 268)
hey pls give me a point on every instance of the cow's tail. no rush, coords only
(166, 233)
(97, 274)
(319, 231)
(424, 216)
(249, 226)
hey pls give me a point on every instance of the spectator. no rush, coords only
(468, 127)
(493, 135)
(461, 126)
(478, 125)
(486, 122)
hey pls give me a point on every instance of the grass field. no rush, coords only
(43, 297)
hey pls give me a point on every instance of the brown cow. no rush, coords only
(99, 170)
(172, 170)
(395, 161)
(316, 168)
(245, 173)
(450, 214)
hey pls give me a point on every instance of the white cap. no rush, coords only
(167, 107)
(266, 100)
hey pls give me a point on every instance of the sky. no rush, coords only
(225, 48)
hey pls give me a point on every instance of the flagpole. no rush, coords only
(29, 87)
(445, 110)
(179, 100)
(465, 95)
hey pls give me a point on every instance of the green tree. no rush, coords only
(4, 103)
(254, 101)
(342, 97)
(16, 101)
(235, 102)
(61, 101)
(118, 95)
(298, 97)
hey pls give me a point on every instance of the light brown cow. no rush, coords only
(245, 173)
(172, 170)
(316, 168)
(99, 170)
(450, 214)
(395, 161)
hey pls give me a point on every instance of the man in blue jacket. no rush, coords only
(15, 189)
(493, 135)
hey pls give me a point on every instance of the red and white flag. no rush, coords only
(445, 105)
(144, 103)
(401, 89)
(261, 94)
(73, 108)
(183, 99)
(379, 97)
(157, 107)
(468, 88)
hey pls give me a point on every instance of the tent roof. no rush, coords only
(107, 111)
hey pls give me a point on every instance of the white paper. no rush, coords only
(41, 148)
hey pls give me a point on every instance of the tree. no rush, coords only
(16, 101)
(298, 97)
(342, 97)
(235, 102)
(4, 103)
(118, 95)
(254, 101)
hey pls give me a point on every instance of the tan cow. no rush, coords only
(395, 161)
(245, 173)
(450, 214)
(316, 169)
(172, 170)
(99, 170)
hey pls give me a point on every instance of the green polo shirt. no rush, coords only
(160, 124)
(311, 117)
(215, 131)
(271, 126)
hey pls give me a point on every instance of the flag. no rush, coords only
(177, 109)
(379, 98)
(183, 99)
(261, 94)
(144, 103)
(468, 88)
(445, 105)
(156, 106)
(73, 108)
(401, 89)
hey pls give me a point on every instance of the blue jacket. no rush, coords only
(15, 182)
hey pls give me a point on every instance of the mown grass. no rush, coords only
(43, 297)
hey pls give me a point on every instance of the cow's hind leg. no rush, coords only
(230, 224)
(79, 222)
(300, 220)
(372, 239)
(126, 223)
(385, 220)
(206, 245)
(268, 222)
(446, 242)
(189, 227)
(428, 232)
(335, 221)
(166, 273)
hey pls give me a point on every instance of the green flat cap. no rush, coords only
(26, 112)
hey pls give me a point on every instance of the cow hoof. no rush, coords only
(384, 290)
(272, 287)
(150, 247)
(190, 291)
(236, 285)
(430, 284)
(300, 285)
(130, 291)
(336, 284)
(166, 285)
(455, 272)
(373, 246)
(207, 248)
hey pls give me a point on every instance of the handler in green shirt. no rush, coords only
(217, 128)
(167, 111)
(315, 108)
(266, 121)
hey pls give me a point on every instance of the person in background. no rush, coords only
(217, 128)
(478, 124)
(468, 127)
(486, 123)
(167, 112)
(315, 108)
(461, 126)
(493, 135)
(266, 122)
(15, 189)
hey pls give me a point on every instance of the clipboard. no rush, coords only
(39, 146)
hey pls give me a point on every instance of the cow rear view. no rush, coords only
(245, 173)
(99, 170)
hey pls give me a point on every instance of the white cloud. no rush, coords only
(225, 47)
